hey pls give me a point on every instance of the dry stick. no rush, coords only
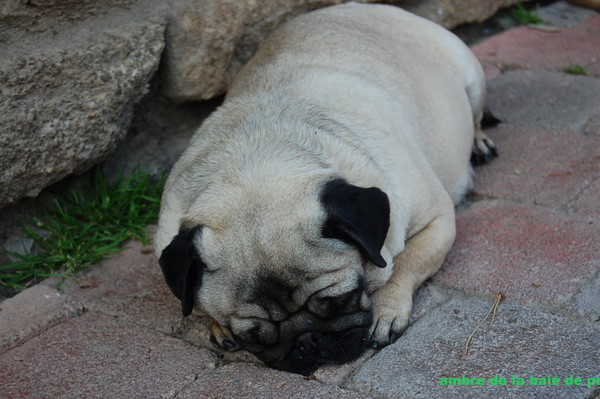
(492, 312)
(495, 307)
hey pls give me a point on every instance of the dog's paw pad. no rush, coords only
(386, 330)
(484, 149)
(221, 338)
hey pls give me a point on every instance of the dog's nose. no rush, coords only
(308, 341)
(314, 343)
(314, 349)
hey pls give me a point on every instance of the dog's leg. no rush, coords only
(221, 337)
(422, 257)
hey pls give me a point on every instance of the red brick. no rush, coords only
(537, 166)
(243, 380)
(33, 311)
(588, 201)
(529, 253)
(524, 47)
(130, 286)
(98, 356)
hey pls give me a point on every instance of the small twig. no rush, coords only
(492, 313)
(499, 298)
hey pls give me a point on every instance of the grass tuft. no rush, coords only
(524, 16)
(85, 226)
(576, 70)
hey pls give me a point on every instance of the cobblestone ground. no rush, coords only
(530, 230)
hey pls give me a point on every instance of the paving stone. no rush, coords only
(33, 311)
(99, 356)
(490, 71)
(427, 297)
(547, 100)
(541, 167)
(587, 301)
(533, 254)
(564, 15)
(522, 342)
(338, 374)
(524, 47)
(592, 126)
(243, 380)
(130, 286)
(588, 200)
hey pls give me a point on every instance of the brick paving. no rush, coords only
(531, 230)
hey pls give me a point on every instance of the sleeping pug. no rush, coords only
(311, 205)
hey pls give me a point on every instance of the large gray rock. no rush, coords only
(452, 13)
(209, 41)
(70, 74)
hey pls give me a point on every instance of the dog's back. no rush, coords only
(419, 80)
(398, 92)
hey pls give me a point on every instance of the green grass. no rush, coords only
(524, 16)
(85, 226)
(576, 70)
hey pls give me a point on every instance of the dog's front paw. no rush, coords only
(391, 317)
(386, 330)
(221, 337)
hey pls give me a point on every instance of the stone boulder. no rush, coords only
(70, 75)
(209, 41)
(452, 13)
(72, 71)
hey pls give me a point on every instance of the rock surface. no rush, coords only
(208, 42)
(68, 86)
(451, 13)
(72, 72)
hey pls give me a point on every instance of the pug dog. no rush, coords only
(309, 207)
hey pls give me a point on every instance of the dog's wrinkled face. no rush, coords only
(288, 283)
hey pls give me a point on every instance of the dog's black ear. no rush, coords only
(358, 216)
(182, 266)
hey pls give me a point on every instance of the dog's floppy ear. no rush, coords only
(182, 267)
(358, 216)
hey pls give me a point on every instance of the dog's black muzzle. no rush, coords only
(307, 342)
